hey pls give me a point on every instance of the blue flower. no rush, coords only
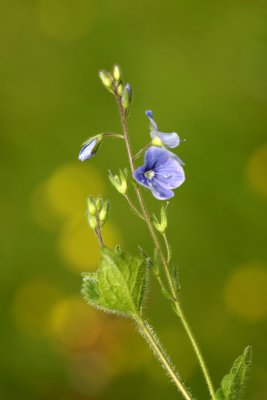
(90, 147)
(170, 140)
(160, 173)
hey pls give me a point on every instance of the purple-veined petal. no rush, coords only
(170, 175)
(155, 156)
(160, 192)
(160, 173)
(139, 176)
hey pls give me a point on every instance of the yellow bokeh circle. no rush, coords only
(246, 292)
(65, 19)
(79, 247)
(32, 305)
(68, 188)
(73, 325)
(257, 170)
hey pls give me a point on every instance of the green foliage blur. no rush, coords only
(201, 67)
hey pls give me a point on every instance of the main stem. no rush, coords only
(148, 335)
(157, 244)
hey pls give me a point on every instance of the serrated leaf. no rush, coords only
(118, 286)
(232, 385)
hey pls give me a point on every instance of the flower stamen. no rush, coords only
(149, 174)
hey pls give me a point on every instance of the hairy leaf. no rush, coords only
(118, 286)
(232, 385)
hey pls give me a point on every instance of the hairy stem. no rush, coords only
(153, 342)
(176, 302)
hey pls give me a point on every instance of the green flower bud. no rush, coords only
(104, 212)
(116, 73)
(163, 216)
(126, 97)
(99, 203)
(156, 223)
(120, 89)
(107, 80)
(119, 182)
(92, 222)
(162, 225)
(91, 207)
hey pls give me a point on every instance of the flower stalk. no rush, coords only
(119, 284)
(175, 300)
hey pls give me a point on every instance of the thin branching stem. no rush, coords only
(176, 301)
(140, 152)
(132, 206)
(113, 135)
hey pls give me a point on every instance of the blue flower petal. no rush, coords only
(171, 140)
(160, 173)
(175, 157)
(160, 192)
(139, 176)
(87, 151)
(153, 124)
(170, 175)
(155, 156)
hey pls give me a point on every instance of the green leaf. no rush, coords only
(232, 385)
(118, 286)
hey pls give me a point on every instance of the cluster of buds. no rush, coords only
(113, 83)
(97, 212)
(119, 181)
(161, 225)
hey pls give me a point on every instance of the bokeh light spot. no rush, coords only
(79, 247)
(246, 292)
(73, 325)
(69, 187)
(90, 372)
(65, 19)
(257, 170)
(41, 211)
(32, 306)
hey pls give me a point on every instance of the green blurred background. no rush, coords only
(201, 67)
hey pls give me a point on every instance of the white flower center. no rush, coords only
(149, 174)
